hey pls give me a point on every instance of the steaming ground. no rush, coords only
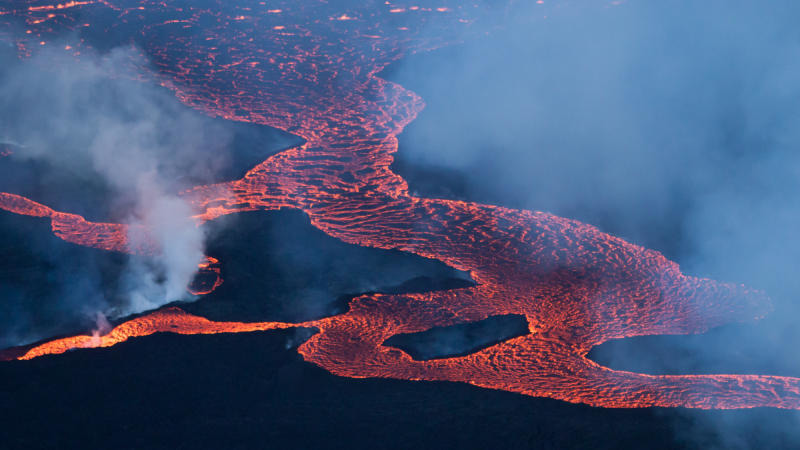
(278, 267)
(275, 267)
(673, 125)
(84, 137)
(49, 286)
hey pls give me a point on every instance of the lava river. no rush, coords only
(311, 68)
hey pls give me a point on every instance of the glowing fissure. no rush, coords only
(301, 72)
(209, 277)
(74, 228)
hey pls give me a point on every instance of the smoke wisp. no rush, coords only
(88, 122)
(674, 125)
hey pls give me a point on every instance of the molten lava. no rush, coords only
(290, 66)
(208, 277)
(74, 228)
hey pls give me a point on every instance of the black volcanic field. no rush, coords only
(253, 390)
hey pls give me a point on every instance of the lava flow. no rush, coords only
(310, 68)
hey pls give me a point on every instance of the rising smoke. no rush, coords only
(90, 118)
(675, 125)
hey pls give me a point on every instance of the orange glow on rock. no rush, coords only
(58, 6)
(577, 286)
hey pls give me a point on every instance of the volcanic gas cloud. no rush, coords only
(310, 68)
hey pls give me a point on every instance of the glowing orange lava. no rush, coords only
(209, 277)
(316, 78)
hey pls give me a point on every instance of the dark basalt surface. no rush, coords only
(758, 348)
(250, 391)
(461, 339)
(49, 286)
(60, 171)
(77, 188)
(277, 267)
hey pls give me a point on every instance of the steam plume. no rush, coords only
(93, 120)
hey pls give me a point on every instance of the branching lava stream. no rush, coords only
(310, 68)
